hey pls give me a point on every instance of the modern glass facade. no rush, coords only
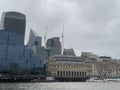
(14, 54)
(14, 22)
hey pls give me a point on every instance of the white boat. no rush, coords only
(113, 79)
(95, 79)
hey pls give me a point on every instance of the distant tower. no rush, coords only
(54, 45)
(14, 22)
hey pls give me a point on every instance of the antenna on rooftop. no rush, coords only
(45, 35)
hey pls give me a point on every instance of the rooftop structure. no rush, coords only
(69, 52)
(89, 55)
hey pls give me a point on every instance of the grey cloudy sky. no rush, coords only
(90, 25)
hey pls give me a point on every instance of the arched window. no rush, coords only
(63, 73)
(74, 73)
(77, 73)
(80, 74)
(83, 74)
(69, 73)
(58, 73)
(66, 73)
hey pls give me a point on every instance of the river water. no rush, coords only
(61, 86)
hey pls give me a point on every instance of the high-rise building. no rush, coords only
(14, 22)
(54, 46)
(34, 43)
(34, 39)
(13, 53)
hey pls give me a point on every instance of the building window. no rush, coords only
(36, 43)
(27, 61)
(72, 73)
(83, 74)
(58, 73)
(80, 74)
(33, 65)
(77, 73)
(66, 73)
(63, 73)
(69, 73)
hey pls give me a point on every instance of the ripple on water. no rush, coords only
(60, 86)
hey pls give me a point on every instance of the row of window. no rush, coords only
(71, 73)
(67, 66)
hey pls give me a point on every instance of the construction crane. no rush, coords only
(63, 40)
(45, 36)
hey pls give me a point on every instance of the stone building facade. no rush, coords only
(64, 67)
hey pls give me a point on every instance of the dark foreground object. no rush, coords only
(15, 79)
(62, 79)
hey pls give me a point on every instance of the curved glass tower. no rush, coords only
(14, 22)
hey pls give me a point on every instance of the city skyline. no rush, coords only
(89, 26)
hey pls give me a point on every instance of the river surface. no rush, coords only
(61, 86)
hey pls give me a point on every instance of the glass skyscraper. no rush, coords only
(14, 22)
(13, 53)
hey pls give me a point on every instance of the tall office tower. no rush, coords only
(54, 46)
(14, 22)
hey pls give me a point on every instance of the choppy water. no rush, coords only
(60, 86)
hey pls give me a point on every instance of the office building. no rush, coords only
(14, 55)
(14, 22)
(53, 46)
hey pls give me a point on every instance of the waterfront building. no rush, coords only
(104, 67)
(14, 22)
(14, 55)
(68, 68)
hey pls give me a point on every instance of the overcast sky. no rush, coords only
(90, 25)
